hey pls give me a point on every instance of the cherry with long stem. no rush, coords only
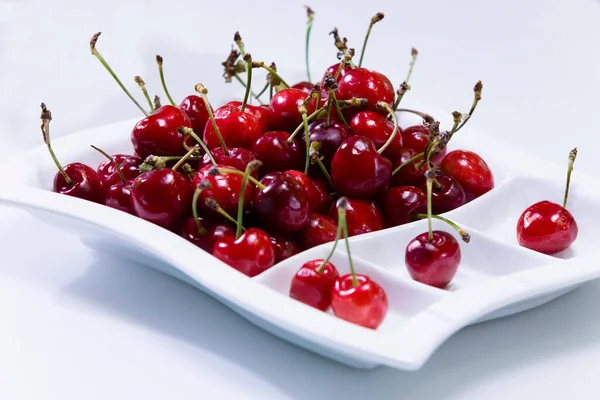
(159, 62)
(384, 106)
(214, 205)
(46, 117)
(572, 157)
(205, 184)
(316, 159)
(113, 162)
(201, 89)
(142, 86)
(375, 19)
(311, 16)
(477, 97)
(184, 130)
(251, 167)
(97, 54)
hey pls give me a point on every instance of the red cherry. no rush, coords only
(284, 246)
(400, 204)
(416, 138)
(377, 128)
(251, 254)
(236, 157)
(238, 128)
(320, 229)
(323, 188)
(195, 109)
(367, 84)
(313, 283)
(330, 137)
(211, 233)
(276, 153)
(470, 171)
(283, 109)
(282, 203)
(546, 227)
(358, 170)
(261, 113)
(118, 196)
(161, 196)
(158, 134)
(315, 199)
(332, 71)
(409, 174)
(362, 216)
(224, 188)
(85, 183)
(305, 86)
(365, 304)
(448, 196)
(433, 262)
(108, 174)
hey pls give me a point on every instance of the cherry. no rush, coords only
(261, 113)
(225, 187)
(158, 134)
(319, 229)
(236, 157)
(195, 109)
(377, 128)
(332, 70)
(284, 246)
(399, 205)
(75, 179)
(315, 198)
(416, 138)
(470, 171)
(283, 109)
(358, 170)
(329, 136)
(313, 282)
(118, 194)
(207, 235)
(322, 187)
(433, 257)
(448, 195)
(362, 216)
(281, 202)
(305, 86)
(277, 153)
(408, 168)
(548, 227)
(129, 166)
(366, 84)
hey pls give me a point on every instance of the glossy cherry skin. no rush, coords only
(195, 108)
(470, 170)
(377, 128)
(323, 188)
(236, 157)
(251, 254)
(320, 229)
(435, 262)
(305, 86)
(313, 287)
(315, 199)
(118, 196)
(130, 166)
(330, 137)
(546, 227)
(357, 170)
(276, 153)
(282, 204)
(283, 109)
(365, 304)
(261, 113)
(367, 84)
(161, 196)
(449, 196)
(416, 137)
(400, 204)
(284, 246)
(332, 71)
(412, 173)
(214, 231)
(86, 183)
(224, 188)
(158, 134)
(238, 128)
(362, 216)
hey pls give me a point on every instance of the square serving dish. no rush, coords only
(496, 278)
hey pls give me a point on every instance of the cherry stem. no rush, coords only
(260, 64)
(302, 109)
(112, 160)
(375, 19)
(97, 54)
(299, 128)
(184, 130)
(463, 234)
(311, 16)
(314, 148)
(572, 157)
(238, 172)
(429, 183)
(389, 109)
(237, 38)
(157, 104)
(248, 60)
(328, 117)
(262, 91)
(426, 117)
(477, 96)
(337, 107)
(414, 53)
(142, 86)
(159, 61)
(212, 203)
(203, 185)
(346, 60)
(342, 204)
(201, 89)
(183, 159)
(252, 166)
(270, 92)
(46, 117)
(405, 163)
(338, 235)
(241, 81)
(400, 93)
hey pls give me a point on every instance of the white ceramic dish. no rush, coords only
(495, 279)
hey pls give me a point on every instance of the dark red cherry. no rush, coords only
(225, 189)
(323, 188)
(211, 232)
(251, 254)
(416, 137)
(283, 109)
(448, 196)
(195, 109)
(365, 304)
(284, 246)
(367, 84)
(238, 128)
(86, 183)
(261, 113)
(330, 137)
(358, 170)
(410, 174)
(320, 229)
(377, 128)
(312, 284)
(362, 216)
(400, 204)
(130, 166)
(315, 199)
(282, 204)
(546, 227)
(434, 262)
(158, 134)
(118, 196)
(305, 86)
(276, 153)
(236, 157)
(470, 170)
(161, 196)
(332, 71)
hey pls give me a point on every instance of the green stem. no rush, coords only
(201, 230)
(394, 132)
(142, 86)
(464, 235)
(477, 96)
(238, 172)
(274, 74)
(184, 130)
(248, 60)
(572, 156)
(183, 159)
(203, 93)
(310, 14)
(342, 221)
(270, 92)
(338, 234)
(307, 141)
(46, 135)
(113, 162)
(405, 163)
(241, 81)
(337, 107)
(429, 184)
(240, 214)
(211, 203)
(159, 61)
(262, 91)
(301, 126)
(324, 170)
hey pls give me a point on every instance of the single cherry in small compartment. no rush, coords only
(548, 227)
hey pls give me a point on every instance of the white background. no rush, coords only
(79, 325)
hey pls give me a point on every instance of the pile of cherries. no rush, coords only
(256, 184)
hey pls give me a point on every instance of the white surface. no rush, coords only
(74, 326)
